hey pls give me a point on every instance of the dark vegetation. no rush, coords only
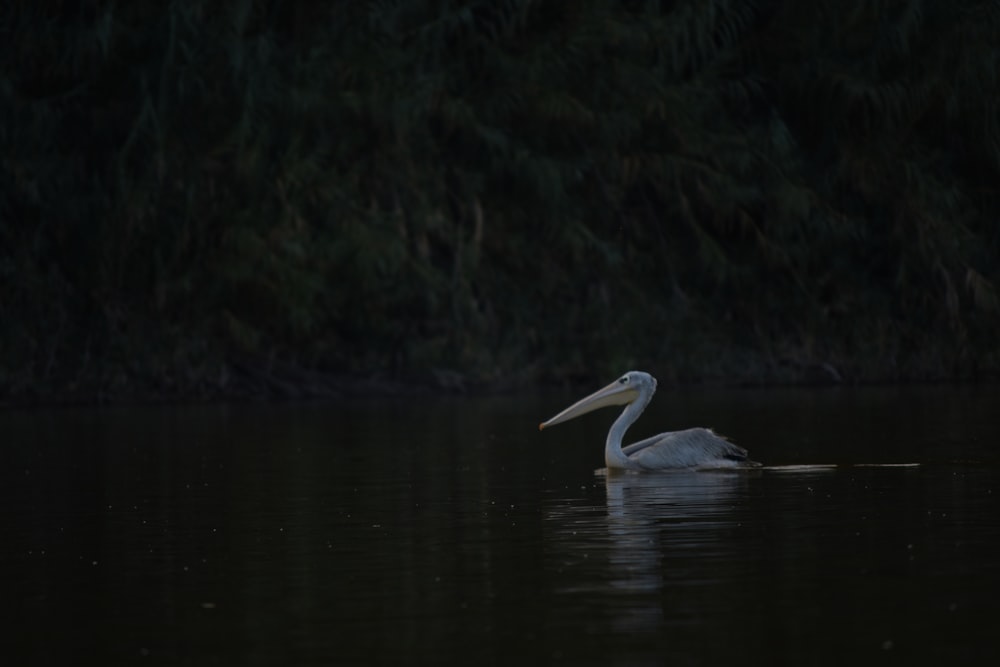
(206, 199)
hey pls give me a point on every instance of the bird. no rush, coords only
(693, 448)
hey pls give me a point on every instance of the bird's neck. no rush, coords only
(614, 457)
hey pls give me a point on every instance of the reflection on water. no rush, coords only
(448, 531)
(696, 505)
(645, 514)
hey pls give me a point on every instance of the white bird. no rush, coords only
(696, 448)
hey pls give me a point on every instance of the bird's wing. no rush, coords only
(628, 450)
(691, 448)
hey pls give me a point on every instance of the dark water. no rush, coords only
(452, 531)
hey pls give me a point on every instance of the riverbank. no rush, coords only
(257, 201)
(248, 381)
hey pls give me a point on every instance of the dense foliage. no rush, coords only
(200, 197)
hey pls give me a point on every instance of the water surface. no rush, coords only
(452, 531)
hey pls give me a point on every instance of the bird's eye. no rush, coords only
(624, 380)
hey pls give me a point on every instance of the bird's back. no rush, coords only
(691, 448)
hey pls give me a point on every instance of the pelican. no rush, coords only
(694, 448)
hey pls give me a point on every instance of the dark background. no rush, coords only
(204, 200)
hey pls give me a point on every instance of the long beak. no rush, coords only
(615, 393)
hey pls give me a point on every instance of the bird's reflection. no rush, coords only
(679, 515)
(649, 514)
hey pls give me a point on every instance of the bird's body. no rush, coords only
(693, 448)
